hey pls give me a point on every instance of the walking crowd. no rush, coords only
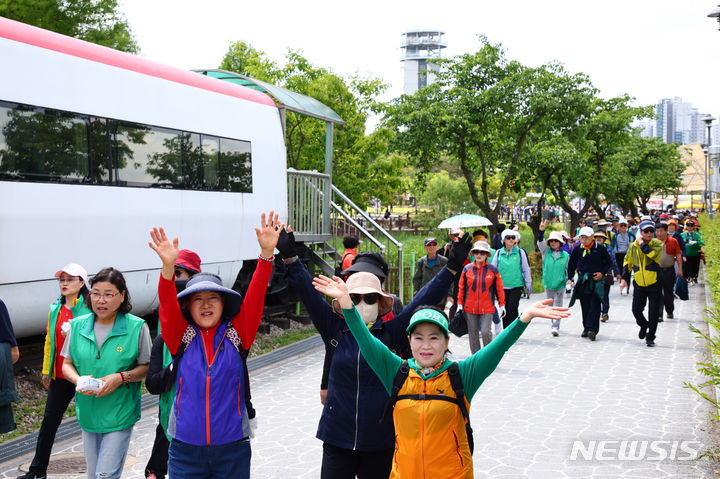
(394, 404)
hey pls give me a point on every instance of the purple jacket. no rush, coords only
(209, 407)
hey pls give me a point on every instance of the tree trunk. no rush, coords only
(535, 220)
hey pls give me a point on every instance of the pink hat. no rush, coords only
(366, 283)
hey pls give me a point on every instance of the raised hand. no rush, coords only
(167, 251)
(333, 287)
(543, 225)
(286, 243)
(542, 309)
(268, 233)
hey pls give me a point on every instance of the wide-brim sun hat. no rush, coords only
(557, 236)
(368, 262)
(586, 231)
(232, 300)
(367, 283)
(429, 316)
(73, 269)
(600, 233)
(480, 246)
(508, 232)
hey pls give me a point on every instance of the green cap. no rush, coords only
(429, 316)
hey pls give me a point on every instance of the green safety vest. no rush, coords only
(554, 271)
(121, 409)
(79, 309)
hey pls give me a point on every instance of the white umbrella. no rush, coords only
(464, 221)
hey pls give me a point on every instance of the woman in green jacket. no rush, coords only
(106, 356)
(73, 302)
(554, 270)
(432, 439)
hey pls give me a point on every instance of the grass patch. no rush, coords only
(265, 343)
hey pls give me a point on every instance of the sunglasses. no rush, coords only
(370, 298)
(648, 230)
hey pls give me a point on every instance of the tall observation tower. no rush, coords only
(419, 47)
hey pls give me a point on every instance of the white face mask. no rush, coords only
(368, 312)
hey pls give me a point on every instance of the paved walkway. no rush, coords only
(547, 393)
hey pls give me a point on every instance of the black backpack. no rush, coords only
(455, 381)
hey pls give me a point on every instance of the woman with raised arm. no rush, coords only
(206, 328)
(433, 437)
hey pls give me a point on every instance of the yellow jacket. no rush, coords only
(643, 261)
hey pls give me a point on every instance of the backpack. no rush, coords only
(190, 334)
(455, 381)
(338, 268)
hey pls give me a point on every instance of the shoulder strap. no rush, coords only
(457, 385)
(398, 382)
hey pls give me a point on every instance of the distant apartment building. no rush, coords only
(676, 122)
(419, 49)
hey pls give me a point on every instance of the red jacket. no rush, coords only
(478, 288)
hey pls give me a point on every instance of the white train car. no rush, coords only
(98, 146)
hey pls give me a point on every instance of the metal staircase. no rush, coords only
(321, 214)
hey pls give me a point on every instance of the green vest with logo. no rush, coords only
(554, 272)
(120, 409)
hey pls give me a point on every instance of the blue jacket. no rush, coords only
(613, 241)
(219, 387)
(356, 398)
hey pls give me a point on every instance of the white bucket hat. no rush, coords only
(557, 236)
(366, 283)
(480, 246)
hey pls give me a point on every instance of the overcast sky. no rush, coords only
(650, 49)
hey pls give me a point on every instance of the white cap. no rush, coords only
(586, 231)
(509, 232)
(74, 270)
(622, 221)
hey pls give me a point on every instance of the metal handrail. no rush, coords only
(357, 225)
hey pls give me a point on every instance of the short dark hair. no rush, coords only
(479, 232)
(116, 278)
(350, 242)
(661, 226)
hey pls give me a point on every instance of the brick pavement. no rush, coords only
(546, 393)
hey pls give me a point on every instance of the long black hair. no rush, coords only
(116, 278)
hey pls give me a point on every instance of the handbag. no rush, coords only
(609, 279)
(681, 288)
(458, 324)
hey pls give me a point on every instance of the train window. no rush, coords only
(235, 166)
(210, 162)
(38, 144)
(42, 145)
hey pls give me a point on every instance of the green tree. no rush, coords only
(445, 195)
(362, 167)
(645, 167)
(97, 21)
(484, 112)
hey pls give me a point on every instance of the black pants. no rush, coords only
(692, 267)
(667, 281)
(512, 305)
(158, 462)
(590, 305)
(642, 295)
(60, 393)
(339, 463)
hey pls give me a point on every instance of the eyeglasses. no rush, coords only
(453, 235)
(370, 298)
(106, 296)
(648, 230)
(431, 244)
(67, 280)
(623, 225)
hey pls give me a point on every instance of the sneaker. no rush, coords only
(642, 333)
(591, 335)
(660, 320)
(584, 334)
(555, 333)
(670, 316)
(650, 343)
(604, 318)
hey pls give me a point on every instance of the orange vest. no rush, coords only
(430, 437)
